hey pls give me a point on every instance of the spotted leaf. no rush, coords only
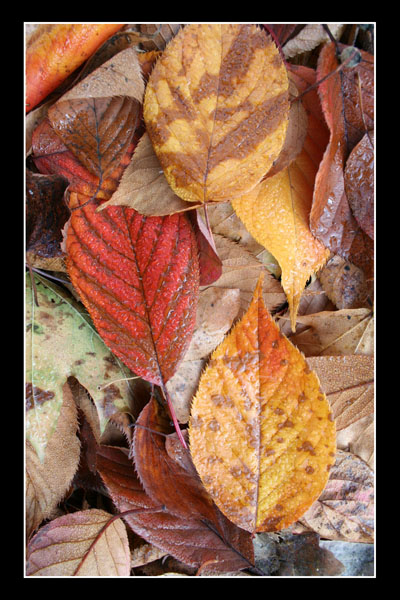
(262, 436)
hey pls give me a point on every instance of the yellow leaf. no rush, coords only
(276, 213)
(262, 436)
(216, 110)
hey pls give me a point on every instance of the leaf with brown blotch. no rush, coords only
(347, 99)
(276, 213)
(190, 540)
(216, 110)
(47, 482)
(46, 215)
(261, 431)
(345, 509)
(359, 182)
(56, 50)
(80, 544)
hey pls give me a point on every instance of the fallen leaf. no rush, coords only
(359, 176)
(261, 432)
(158, 34)
(342, 95)
(46, 215)
(216, 110)
(143, 185)
(47, 482)
(310, 37)
(345, 284)
(61, 342)
(241, 270)
(333, 332)
(77, 545)
(210, 265)
(190, 540)
(56, 50)
(276, 213)
(345, 509)
(138, 278)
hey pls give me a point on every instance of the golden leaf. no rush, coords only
(276, 213)
(216, 110)
(262, 436)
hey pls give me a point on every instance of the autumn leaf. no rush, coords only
(276, 212)
(59, 322)
(216, 110)
(345, 509)
(55, 51)
(46, 215)
(359, 182)
(46, 483)
(347, 102)
(77, 545)
(190, 540)
(261, 432)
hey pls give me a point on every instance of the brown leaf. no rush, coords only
(359, 182)
(345, 509)
(76, 544)
(190, 540)
(47, 482)
(46, 215)
(332, 332)
(143, 185)
(345, 284)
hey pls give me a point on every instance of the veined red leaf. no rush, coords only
(138, 277)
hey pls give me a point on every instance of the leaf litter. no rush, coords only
(150, 156)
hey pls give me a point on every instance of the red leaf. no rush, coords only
(138, 278)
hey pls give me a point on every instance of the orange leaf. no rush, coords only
(55, 51)
(276, 213)
(262, 436)
(216, 110)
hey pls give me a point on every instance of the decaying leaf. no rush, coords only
(216, 110)
(359, 182)
(60, 342)
(310, 37)
(345, 509)
(75, 545)
(47, 482)
(345, 284)
(261, 434)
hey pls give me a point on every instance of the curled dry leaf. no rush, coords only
(345, 509)
(62, 342)
(47, 482)
(77, 545)
(216, 110)
(55, 51)
(345, 284)
(310, 37)
(261, 432)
